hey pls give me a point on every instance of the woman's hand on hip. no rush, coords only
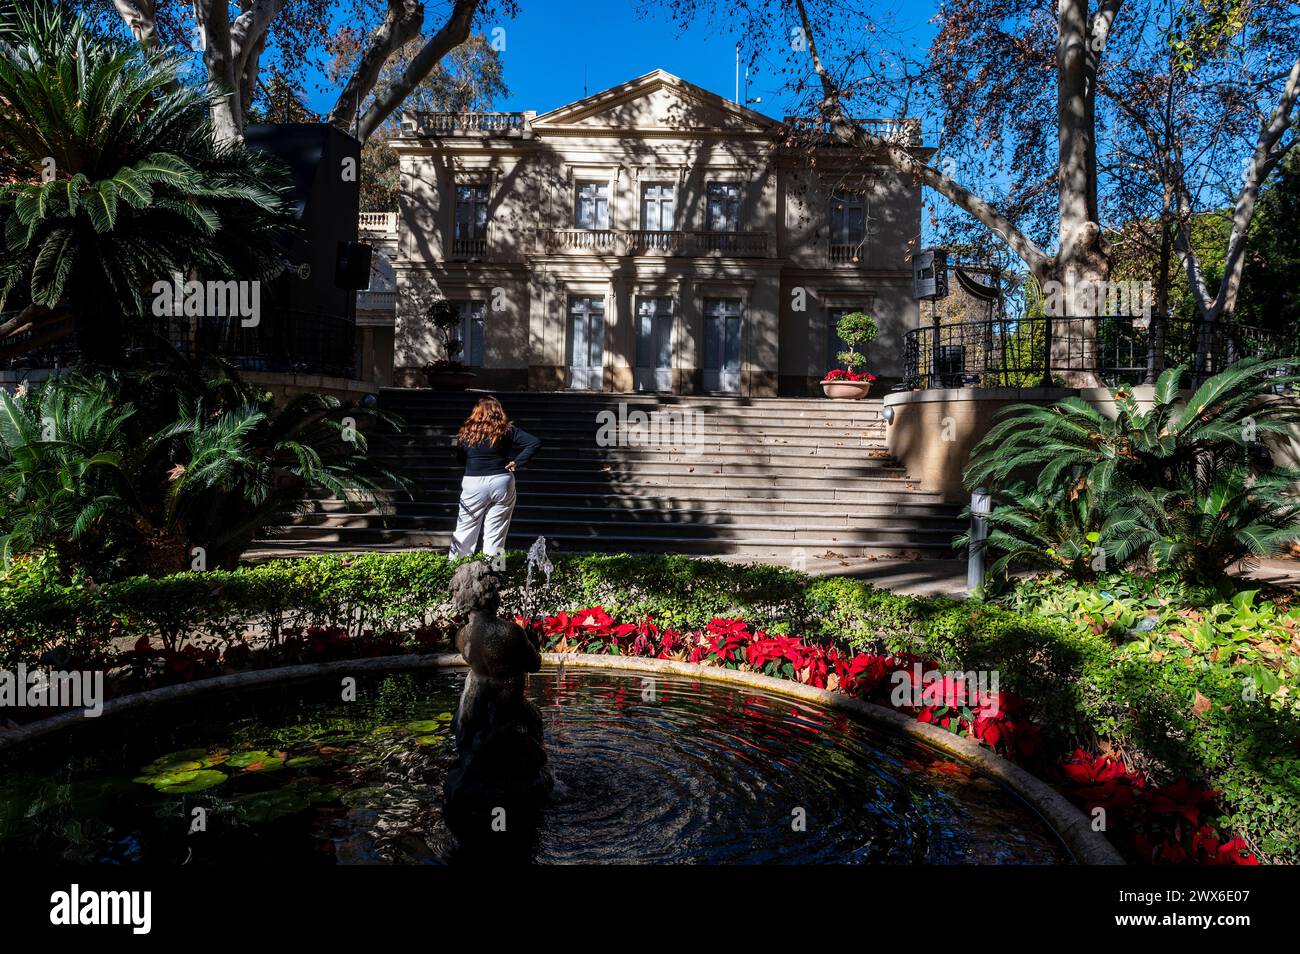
(510, 466)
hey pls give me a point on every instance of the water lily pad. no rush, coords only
(171, 768)
(181, 755)
(425, 726)
(272, 763)
(430, 739)
(304, 761)
(263, 807)
(247, 758)
(166, 778)
(196, 782)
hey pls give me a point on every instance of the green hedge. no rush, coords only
(1080, 687)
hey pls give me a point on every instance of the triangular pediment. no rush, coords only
(655, 101)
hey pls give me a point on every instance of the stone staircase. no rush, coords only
(760, 478)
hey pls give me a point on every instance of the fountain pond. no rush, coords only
(692, 771)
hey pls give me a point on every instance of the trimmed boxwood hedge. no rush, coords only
(1080, 688)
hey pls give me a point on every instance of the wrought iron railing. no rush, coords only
(1033, 352)
(311, 342)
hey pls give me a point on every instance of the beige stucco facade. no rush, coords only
(660, 220)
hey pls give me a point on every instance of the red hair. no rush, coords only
(486, 424)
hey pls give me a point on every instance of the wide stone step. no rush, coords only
(406, 397)
(527, 530)
(649, 521)
(766, 478)
(588, 434)
(756, 459)
(778, 552)
(446, 502)
(632, 466)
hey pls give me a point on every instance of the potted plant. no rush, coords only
(447, 374)
(856, 330)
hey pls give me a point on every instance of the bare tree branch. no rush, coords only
(1263, 161)
(903, 159)
(139, 16)
(401, 25)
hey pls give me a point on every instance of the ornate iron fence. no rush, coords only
(1034, 352)
(312, 342)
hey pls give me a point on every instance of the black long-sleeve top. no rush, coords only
(489, 460)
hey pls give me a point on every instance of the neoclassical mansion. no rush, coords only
(653, 236)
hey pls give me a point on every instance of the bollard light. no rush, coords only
(981, 505)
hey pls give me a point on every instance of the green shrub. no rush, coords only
(1184, 483)
(1171, 716)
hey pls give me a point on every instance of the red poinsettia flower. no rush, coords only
(728, 627)
(765, 649)
(840, 374)
(1100, 780)
(1181, 798)
(1207, 849)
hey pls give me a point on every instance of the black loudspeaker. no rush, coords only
(930, 275)
(352, 266)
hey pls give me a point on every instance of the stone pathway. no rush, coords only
(926, 577)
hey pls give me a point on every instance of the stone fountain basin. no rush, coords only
(1081, 844)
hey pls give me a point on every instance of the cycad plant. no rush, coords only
(92, 470)
(1183, 484)
(113, 182)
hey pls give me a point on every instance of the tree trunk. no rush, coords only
(1159, 332)
(1082, 266)
(213, 18)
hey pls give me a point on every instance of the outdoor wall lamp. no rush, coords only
(887, 414)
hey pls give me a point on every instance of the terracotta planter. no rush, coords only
(846, 390)
(449, 380)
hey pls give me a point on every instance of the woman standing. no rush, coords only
(492, 449)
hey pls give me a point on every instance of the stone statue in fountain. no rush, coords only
(501, 757)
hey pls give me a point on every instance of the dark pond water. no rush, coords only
(690, 772)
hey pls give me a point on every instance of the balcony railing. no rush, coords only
(469, 247)
(376, 300)
(1030, 352)
(377, 222)
(840, 254)
(642, 241)
(729, 243)
(456, 124)
(585, 240)
(656, 242)
(903, 132)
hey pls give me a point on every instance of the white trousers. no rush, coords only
(486, 504)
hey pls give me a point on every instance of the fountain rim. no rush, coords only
(1069, 824)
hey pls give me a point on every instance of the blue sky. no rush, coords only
(548, 61)
(555, 48)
